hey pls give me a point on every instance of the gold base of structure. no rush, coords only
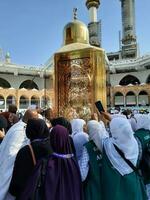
(80, 80)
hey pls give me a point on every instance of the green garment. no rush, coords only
(144, 138)
(92, 185)
(118, 187)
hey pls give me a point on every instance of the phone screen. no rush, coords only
(99, 106)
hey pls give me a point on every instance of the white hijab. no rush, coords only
(14, 140)
(133, 123)
(97, 133)
(123, 138)
(143, 121)
(117, 115)
(79, 136)
(77, 126)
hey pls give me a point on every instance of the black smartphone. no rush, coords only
(99, 106)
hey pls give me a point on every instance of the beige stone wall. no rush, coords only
(28, 94)
(136, 89)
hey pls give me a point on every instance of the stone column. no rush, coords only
(95, 25)
(40, 102)
(149, 99)
(5, 103)
(92, 6)
(112, 101)
(137, 99)
(17, 99)
(29, 101)
(128, 18)
(129, 48)
(124, 100)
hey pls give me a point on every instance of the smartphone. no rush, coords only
(99, 106)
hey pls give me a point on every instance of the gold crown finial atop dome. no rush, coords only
(75, 13)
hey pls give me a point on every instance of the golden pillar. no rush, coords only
(80, 80)
(80, 74)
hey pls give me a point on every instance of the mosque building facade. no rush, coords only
(24, 85)
(128, 82)
(128, 73)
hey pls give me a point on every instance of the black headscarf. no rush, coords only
(3, 123)
(36, 129)
(63, 122)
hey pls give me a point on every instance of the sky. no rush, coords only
(32, 30)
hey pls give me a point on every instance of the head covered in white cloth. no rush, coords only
(77, 126)
(79, 136)
(117, 115)
(96, 133)
(133, 122)
(143, 121)
(123, 138)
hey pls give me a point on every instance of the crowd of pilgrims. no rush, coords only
(82, 160)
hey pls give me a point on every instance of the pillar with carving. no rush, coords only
(129, 43)
(94, 26)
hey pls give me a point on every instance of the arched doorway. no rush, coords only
(130, 99)
(143, 98)
(24, 102)
(129, 79)
(35, 101)
(10, 100)
(29, 84)
(148, 80)
(4, 83)
(119, 99)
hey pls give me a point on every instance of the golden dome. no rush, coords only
(76, 31)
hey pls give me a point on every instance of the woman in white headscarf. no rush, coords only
(90, 161)
(142, 135)
(79, 136)
(133, 122)
(143, 121)
(119, 180)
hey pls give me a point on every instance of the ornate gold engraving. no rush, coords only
(80, 80)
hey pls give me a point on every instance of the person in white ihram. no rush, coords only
(11, 144)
